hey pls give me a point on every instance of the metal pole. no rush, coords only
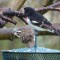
(35, 42)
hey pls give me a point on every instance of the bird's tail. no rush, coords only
(51, 28)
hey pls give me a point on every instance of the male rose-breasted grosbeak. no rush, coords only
(36, 20)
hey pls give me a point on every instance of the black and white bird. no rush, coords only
(36, 20)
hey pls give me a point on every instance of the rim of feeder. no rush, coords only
(32, 50)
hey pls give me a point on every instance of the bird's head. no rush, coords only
(28, 11)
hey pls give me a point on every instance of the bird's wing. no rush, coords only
(40, 19)
(35, 22)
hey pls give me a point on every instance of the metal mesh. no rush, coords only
(30, 56)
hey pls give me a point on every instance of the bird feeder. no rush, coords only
(34, 53)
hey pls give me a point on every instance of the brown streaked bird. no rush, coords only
(26, 35)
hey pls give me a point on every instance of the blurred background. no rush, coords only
(52, 42)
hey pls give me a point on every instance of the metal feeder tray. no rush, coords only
(40, 53)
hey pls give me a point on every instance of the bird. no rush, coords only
(26, 35)
(37, 20)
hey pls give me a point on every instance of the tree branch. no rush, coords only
(49, 2)
(2, 23)
(11, 14)
(42, 9)
(52, 7)
(8, 33)
(55, 4)
(47, 8)
(7, 19)
(19, 4)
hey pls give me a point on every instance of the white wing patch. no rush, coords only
(34, 21)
